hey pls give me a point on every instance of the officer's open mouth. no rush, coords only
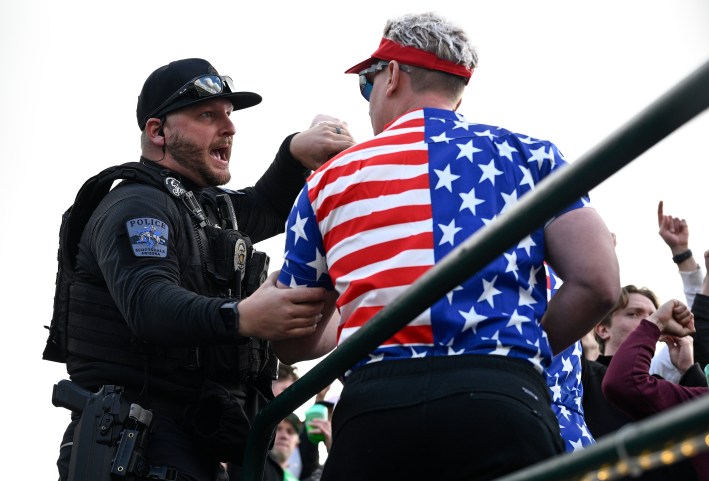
(220, 154)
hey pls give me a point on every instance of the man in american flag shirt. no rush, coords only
(459, 393)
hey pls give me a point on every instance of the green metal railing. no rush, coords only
(679, 105)
(671, 432)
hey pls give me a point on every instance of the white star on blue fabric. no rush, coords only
(584, 432)
(506, 150)
(375, 358)
(556, 390)
(525, 297)
(577, 445)
(461, 124)
(526, 177)
(499, 350)
(517, 320)
(470, 201)
(567, 367)
(533, 276)
(449, 232)
(318, 264)
(467, 150)
(449, 295)
(509, 199)
(415, 355)
(488, 221)
(298, 228)
(486, 133)
(489, 172)
(445, 178)
(527, 243)
(472, 319)
(489, 291)
(441, 138)
(511, 263)
(539, 155)
(528, 140)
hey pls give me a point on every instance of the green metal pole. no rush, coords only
(676, 424)
(668, 113)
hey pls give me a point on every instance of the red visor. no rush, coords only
(390, 50)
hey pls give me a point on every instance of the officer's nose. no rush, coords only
(228, 128)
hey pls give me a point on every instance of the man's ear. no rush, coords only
(393, 76)
(602, 331)
(154, 131)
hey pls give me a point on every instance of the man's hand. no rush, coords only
(324, 427)
(277, 314)
(326, 137)
(674, 231)
(681, 351)
(673, 318)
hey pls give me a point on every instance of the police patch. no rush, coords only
(148, 237)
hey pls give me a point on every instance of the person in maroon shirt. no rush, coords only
(628, 384)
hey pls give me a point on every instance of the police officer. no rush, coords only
(157, 303)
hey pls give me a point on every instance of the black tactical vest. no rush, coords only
(87, 324)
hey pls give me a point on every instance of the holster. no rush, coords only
(110, 437)
(97, 434)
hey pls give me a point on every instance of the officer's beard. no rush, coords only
(197, 160)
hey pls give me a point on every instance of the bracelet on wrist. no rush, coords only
(682, 256)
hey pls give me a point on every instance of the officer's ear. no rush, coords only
(154, 131)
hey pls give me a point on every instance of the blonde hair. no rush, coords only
(432, 33)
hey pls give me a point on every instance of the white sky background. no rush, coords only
(570, 72)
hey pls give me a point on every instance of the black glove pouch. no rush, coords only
(219, 423)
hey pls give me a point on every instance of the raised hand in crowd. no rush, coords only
(675, 232)
(674, 319)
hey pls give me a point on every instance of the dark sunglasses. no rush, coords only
(366, 77)
(204, 86)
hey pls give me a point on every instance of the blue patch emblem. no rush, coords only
(148, 237)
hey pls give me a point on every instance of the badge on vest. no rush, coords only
(148, 237)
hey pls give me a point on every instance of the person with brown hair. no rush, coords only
(630, 387)
(602, 417)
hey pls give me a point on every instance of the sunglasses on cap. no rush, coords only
(204, 86)
(366, 77)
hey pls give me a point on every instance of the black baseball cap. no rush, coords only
(295, 421)
(179, 84)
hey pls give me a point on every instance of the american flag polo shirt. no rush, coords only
(564, 381)
(377, 216)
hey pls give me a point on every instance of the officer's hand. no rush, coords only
(277, 314)
(326, 137)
